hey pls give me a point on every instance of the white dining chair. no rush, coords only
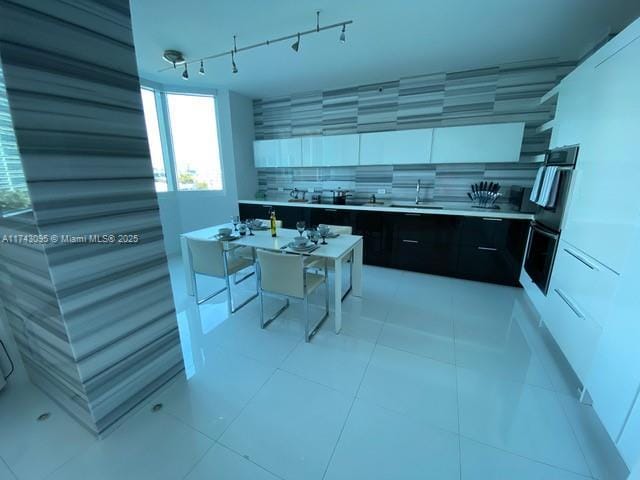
(344, 230)
(209, 258)
(288, 275)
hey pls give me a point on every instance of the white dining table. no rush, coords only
(335, 252)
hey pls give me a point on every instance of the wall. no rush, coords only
(442, 183)
(186, 211)
(507, 93)
(94, 322)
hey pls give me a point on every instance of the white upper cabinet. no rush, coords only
(330, 151)
(396, 147)
(285, 152)
(605, 205)
(500, 142)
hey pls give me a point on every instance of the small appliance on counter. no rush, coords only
(298, 195)
(484, 195)
(340, 196)
(6, 365)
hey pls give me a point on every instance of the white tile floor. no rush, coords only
(432, 378)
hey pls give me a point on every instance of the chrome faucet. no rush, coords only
(418, 192)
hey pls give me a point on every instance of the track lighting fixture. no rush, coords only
(175, 57)
(296, 44)
(234, 68)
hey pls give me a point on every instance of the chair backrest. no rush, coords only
(268, 222)
(206, 257)
(341, 229)
(281, 273)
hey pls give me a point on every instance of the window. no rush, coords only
(194, 137)
(183, 140)
(155, 142)
(14, 196)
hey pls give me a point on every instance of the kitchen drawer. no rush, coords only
(574, 331)
(422, 256)
(484, 231)
(487, 264)
(589, 283)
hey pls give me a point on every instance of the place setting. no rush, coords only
(302, 243)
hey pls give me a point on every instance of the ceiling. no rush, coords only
(388, 39)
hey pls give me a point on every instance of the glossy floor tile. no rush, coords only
(149, 445)
(418, 387)
(431, 377)
(380, 444)
(222, 463)
(518, 418)
(290, 427)
(481, 462)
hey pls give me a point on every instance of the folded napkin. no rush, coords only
(537, 185)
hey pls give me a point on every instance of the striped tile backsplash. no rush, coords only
(442, 183)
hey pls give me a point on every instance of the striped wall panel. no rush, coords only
(95, 323)
(506, 93)
(442, 183)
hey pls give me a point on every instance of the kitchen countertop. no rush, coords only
(447, 208)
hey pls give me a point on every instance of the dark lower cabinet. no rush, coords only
(374, 227)
(425, 243)
(288, 215)
(474, 248)
(332, 216)
(492, 250)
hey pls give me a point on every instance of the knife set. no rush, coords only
(484, 194)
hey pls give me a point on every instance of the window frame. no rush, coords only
(164, 124)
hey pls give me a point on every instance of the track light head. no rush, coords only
(343, 37)
(234, 68)
(185, 74)
(296, 44)
(201, 71)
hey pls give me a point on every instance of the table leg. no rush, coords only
(186, 262)
(356, 279)
(337, 285)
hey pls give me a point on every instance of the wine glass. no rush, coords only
(235, 220)
(314, 236)
(300, 225)
(249, 223)
(324, 231)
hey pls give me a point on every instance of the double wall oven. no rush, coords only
(544, 233)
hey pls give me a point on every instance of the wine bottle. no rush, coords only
(273, 223)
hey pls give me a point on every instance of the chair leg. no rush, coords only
(208, 297)
(265, 324)
(309, 333)
(235, 277)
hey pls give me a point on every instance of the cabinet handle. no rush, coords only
(410, 241)
(489, 219)
(580, 259)
(330, 210)
(488, 249)
(267, 206)
(570, 303)
(411, 214)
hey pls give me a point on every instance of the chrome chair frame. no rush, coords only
(308, 331)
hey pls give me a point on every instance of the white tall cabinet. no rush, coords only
(593, 304)
(396, 147)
